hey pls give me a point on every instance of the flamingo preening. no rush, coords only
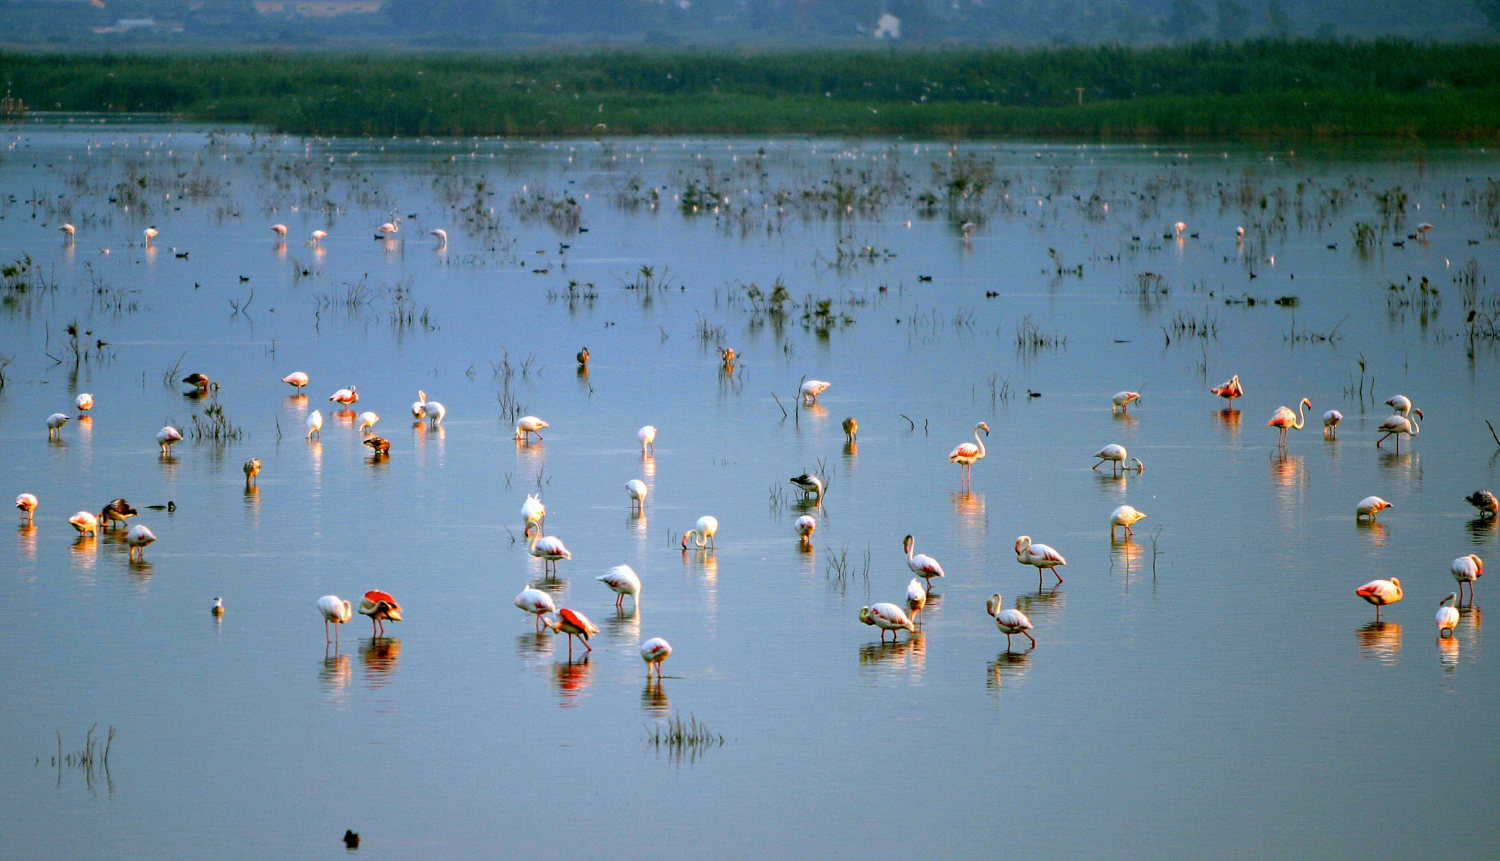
(1381, 593)
(379, 606)
(1283, 419)
(916, 598)
(1009, 621)
(921, 564)
(550, 549)
(533, 512)
(1467, 569)
(574, 624)
(965, 454)
(168, 437)
(297, 380)
(1039, 555)
(1229, 389)
(252, 469)
(806, 525)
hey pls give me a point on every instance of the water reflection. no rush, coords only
(1042, 605)
(909, 654)
(1405, 466)
(851, 452)
(298, 403)
(1124, 554)
(1373, 531)
(1007, 664)
(1482, 530)
(572, 680)
(84, 553)
(1380, 641)
(532, 648)
(654, 699)
(970, 509)
(1125, 419)
(648, 469)
(1229, 420)
(636, 523)
(625, 623)
(1448, 649)
(379, 656)
(26, 540)
(252, 503)
(335, 672)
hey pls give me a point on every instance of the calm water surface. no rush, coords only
(1210, 688)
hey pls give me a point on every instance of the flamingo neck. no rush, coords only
(980, 441)
(1300, 406)
(1412, 420)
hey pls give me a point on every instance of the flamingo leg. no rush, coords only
(1007, 642)
(1031, 638)
(1055, 574)
(326, 638)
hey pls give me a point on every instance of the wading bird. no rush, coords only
(1381, 593)
(54, 425)
(435, 413)
(851, 429)
(1127, 516)
(1039, 555)
(574, 624)
(252, 469)
(703, 532)
(530, 425)
(921, 564)
(1370, 507)
(655, 652)
(335, 611)
(1399, 403)
(1009, 621)
(318, 236)
(1447, 617)
(379, 606)
(812, 388)
(538, 603)
(150, 233)
(198, 381)
(916, 599)
(379, 445)
(297, 380)
(583, 357)
(647, 436)
(550, 549)
(217, 607)
(367, 421)
(966, 453)
(419, 406)
(806, 525)
(1283, 419)
(1486, 501)
(138, 538)
(117, 510)
(809, 484)
(345, 396)
(1331, 420)
(623, 580)
(1116, 453)
(638, 491)
(1229, 389)
(27, 503)
(1467, 569)
(84, 402)
(168, 437)
(279, 229)
(533, 512)
(68, 230)
(886, 617)
(1399, 425)
(441, 234)
(85, 522)
(315, 424)
(1122, 400)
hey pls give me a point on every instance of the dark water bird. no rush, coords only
(117, 510)
(851, 428)
(809, 484)
(1485, 501)
(351, 839)
(218, 607)
(379, 444)
(252, 469)
(197, 380)
(583, 357)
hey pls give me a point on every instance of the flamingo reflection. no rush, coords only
(380, 656)
(572, 679)
(909, 654)
(335, 672)
(1448, 650)
(1380, 641)
(654, 699)
(1012, 664)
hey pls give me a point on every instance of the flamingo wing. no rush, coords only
(962, 450)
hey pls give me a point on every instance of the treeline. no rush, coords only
(1384, 88)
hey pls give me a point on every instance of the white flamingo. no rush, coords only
(1039, 555)
(1400, 425)
(812, 388)
(533, 512)
(1370, 507)
(168, 437)
(1467, 569)
(638, 492)
(1283, 419)
(530, 425)
(886, 617)
(1447, 617)
(965, 454)
(916, 598)
(368, 420)
(1009, 621)
(1127, 516)
(623, 580)
(1331, 421)
(138, 538)
(297, 380)
(703, 532)
(654, 652)
(536, 602)
(315, 424)
(647, 436)
(550, 549)
(806, 525)
(921, 564)
(54, 425)
(335, 611)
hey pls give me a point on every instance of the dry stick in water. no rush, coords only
(778, 403)
(909, 421)
(1492, 431)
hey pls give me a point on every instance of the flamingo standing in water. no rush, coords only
(252, 469)
(1399, 403)
(379, 606)
(1116, 452)
(703, 532)
(84, 402)
(533, 512)
(318, 236)
(550, 549)
(1381, 593)
(1127, 516)
(150, 233)
(85, 522)
(435, 413)
(168, 437)
(27, 503)
(647, 436)
(921, 564)
(806, 525)
(887, 617)
(68, 230)
(138, 537)
(1447, 617)
(623, 580)
(279, 229)
(638, 492)
(1399, 425)
(1467, 569)
(1009, 621)
(1040, 555)
(442, 236)
(54, 425)
(335, 611)
(530, 425)
(1122, 400)
(812, 388)
(965, 454)
(654, 652)
(916, 598)
(345, 396)
(315, 424)
(1331, 420)
(1283, 419)
(419, 406)
(1229, 389)
(367, 421)
(536, 602)
(1370, 507)
(574, 624)
(297, 380)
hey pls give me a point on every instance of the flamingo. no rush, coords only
(703, 532)
(1485, 501)
(1009, 622)
(84, 402)
(887, 617)
(318, 236)
(1401, 425)
(217, 608)
(1381, 593)
(851, 428)
(27, 503)
(583, 356)
(345, 396)
(812, 388)
(1122, 400)
(965, 454)
(117, 510)
(806, 525)
(252, 469)
(388, 229)
(536, 602)
(138, 537)
(549, 549)
(367, 421)
(1040, 555)
(1370, 507)
(533, 512)
(647, 436)
(1180, 227)
(727, 355)
(916, 598)
(1127, 516)
(1229, 389)
(150, 233)
(297, 380)
(54, 425)
(68, 230)
(654, 652)
(315, 424)
(85, 522)
(441, 234)
(279, 230)
(378, 444)
(167, 437)
(1399, 403)
(1283, 419)
(574, 624)
(809, 484)
(1331, 420)
(1112, 452)
(198, 381)
(379, 606)
(921, 564)
(1423, 228)
(1447, 617)
(1467, 569)
(530, 425)
(624, 581)
(419, 406)
(436, 412)
(335, 611)
(638, 492)
(1239, 233)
